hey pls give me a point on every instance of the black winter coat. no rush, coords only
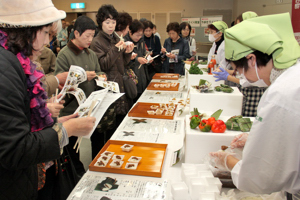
(20, 150)
(184, 53)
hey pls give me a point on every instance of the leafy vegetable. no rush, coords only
(238, 123)
(194, 69)
(217, 114)
(224, 88)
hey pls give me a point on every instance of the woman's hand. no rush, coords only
(133, 56)
(129, 48)
(54, 108)
(142, 60)
(91, 75)
(121, 45)
(170, 55)
(219, 160)
(194, 53)
(79, 126)
(66, 118)
(163, 50)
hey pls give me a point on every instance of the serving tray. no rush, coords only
(162, 76)
(151, 87)
(151, 164)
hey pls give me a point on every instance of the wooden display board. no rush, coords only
(140, 110)
(151, 87)
(151, 164)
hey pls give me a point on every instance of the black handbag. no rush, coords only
(66, 177)
(129, 87)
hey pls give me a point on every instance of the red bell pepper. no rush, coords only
(218, 127)
(204, 126)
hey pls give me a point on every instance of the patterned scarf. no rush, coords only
(40, 116)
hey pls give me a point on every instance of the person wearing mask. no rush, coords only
(62, 35)
(113, 54)
(77, 53)
(185, 32)
(155, 31)
(153, 46)
(251, 92)
(138, 64)
(31, 140)
(176, 50)
(269, 55)
(216, 36)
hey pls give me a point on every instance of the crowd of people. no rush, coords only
(37, 50)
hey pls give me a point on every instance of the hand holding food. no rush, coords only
(142, 60)
(120, 45)
(79, 126)
(163, 50)
(170, 55)
(129, 48)
(91, 75)
(219, 159)
(239, 141)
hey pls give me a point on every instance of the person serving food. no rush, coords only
(265, 50)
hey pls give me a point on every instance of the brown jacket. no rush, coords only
(112, 62)
(47, 60)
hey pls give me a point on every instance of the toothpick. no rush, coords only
(144, 57)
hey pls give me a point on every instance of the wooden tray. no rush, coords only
(140, 110)
(151, 87)
(158, 76)
(150, 165)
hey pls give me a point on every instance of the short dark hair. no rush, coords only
(106, 11)
(148, 24)
(240, 18)
(84, 23)
(123, 20)
(173, 26)
(212, 27)
(21, 39)
(183, 25)
(261, 59)
(135, 26)
(154, 26)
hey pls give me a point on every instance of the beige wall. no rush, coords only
(261, 7)
(189, 8)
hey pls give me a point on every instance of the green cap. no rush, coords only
(270, 34)
(220, 25)
(249, 15)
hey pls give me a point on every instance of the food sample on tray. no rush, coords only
(131, 165)
(116, 163)
(127, 147)
(118, 157)
(101, 163)
(151, 112)
(159, 111)
(174, 84)
(134, 159)
(107, 153)
(169, 113)
(104, 158)
(154, 107)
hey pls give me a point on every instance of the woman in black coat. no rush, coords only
(175, 49)
(30, 139)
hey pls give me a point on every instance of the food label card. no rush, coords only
(76, 76)
(112, 86)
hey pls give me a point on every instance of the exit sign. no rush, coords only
(77, 5)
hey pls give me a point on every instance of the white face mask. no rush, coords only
(211, 37)
(259, 83)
